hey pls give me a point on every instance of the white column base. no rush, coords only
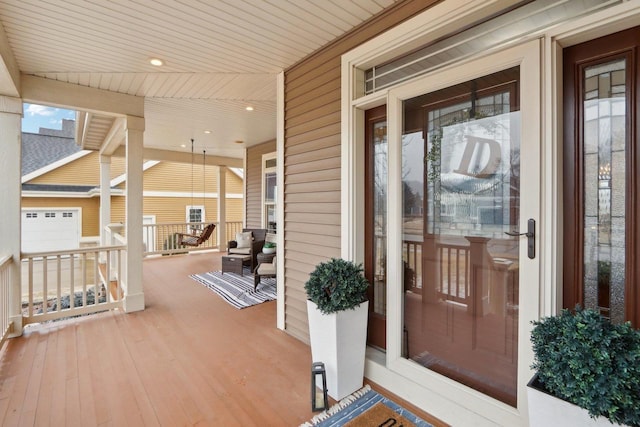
(133, 303)
(18, 327)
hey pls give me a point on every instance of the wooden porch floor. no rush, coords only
(188, 359)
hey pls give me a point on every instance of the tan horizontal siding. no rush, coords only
(118, 166)
(82, 171)
(314, 218)
(331, 141)
(254, 182)
(327, 73)
(331, 130)
(181, 177)
(322, 186)
(234, 210)
(312, 159)
(117, 209)
(307, 158)
(90, 210)
(325, 197)
(307, 125)
(173, 209)
(330, 208)
(322, 95)
(313, 243)
(304, 170)
(233, 183)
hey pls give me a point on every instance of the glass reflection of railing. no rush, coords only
(412, 257)
(454, 272)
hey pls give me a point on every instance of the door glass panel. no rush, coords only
(461, 182)
(380, 218)
(604, 160)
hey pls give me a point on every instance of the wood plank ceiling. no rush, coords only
(219, 57)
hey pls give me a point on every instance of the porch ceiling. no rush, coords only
(219, 57)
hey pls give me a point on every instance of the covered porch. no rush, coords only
(187, 359)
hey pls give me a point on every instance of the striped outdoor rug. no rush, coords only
(238, 290)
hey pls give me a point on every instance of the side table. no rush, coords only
(233, 264)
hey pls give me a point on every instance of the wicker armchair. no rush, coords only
(253, 248)
(265, 269)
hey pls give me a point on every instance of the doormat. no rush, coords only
(238, 290)
(366, 408)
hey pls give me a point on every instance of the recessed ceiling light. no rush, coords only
(249, 108)
(207, 131)
(156, 62)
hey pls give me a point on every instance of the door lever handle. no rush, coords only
(516, 234)
(531, 237)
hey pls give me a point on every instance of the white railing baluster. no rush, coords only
(45, 290)
(72, 290)
(107, 279)
(30, 290)
(119, 294)
(84, 279)
(58, 283)
(96, 279)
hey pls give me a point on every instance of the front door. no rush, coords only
(461, 169)
(601, 176)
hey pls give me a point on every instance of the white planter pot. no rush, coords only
(546, 410)
(268, 250)
(339, 340)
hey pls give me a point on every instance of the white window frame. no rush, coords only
(265, 171)
(194, 207)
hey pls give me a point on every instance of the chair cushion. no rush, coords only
(244, 239)
(243, 251)
(266, 269)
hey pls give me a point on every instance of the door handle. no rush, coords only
(531, 237)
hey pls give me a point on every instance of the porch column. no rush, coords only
(222, 208)
(134, 300)
(105, 197)
(10, 217)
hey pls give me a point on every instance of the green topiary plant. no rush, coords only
(586, 360)
(337, 285)
(269, 245)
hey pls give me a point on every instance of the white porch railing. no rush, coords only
(68, 283)
(5, 283)
(163, 239)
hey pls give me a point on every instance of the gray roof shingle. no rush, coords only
(48, 146)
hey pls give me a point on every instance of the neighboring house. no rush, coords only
(61, 194)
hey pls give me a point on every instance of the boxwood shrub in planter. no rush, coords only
(584, 359)
(337, 285)
(338, 311)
